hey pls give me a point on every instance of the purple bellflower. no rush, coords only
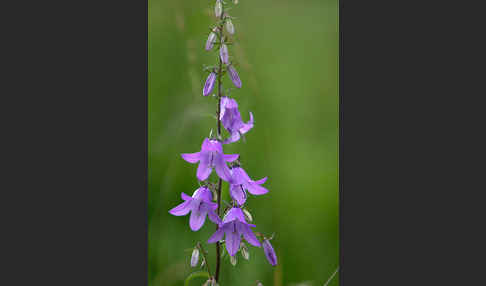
(269, 252)
(211, 156)
(231, 119)
(234, 225)
(208, 86)
(234, 76)
(241, 182)
(200, 205)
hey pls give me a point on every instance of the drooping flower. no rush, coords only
(211, 156)
(208, 86)
(231, 119)
(234, 76)
(269, 252)
(234, 226)
(211, 38)
(218, 8)
(240, 183)
(223, 53)
(200, 205)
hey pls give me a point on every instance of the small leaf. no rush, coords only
(197, 274)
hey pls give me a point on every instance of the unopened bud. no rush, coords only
(218, 8)
(223, 53)
(244, 252)
(208, 86)
(247, 215)
(210, 41)
(235, 2)
(195, 257)
(233, 260)
(235, 78)
(259, 283)
(229, 26)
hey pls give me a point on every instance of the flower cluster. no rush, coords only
(234, 226)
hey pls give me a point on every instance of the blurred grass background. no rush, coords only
(287, 57)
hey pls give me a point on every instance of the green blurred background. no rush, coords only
(286, 53)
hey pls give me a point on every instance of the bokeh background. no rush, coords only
(286, 53)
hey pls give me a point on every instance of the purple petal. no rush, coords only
(238, 194)
(221, 168)
(233, 240)
(204, 194)
(234, 76)
(223, 53)
(256, 189)
(269, 252)
(235, 136)
(214, 217)
(247, 126)
(217, 236)
(230, 157)
(234, 213)
(182, 209)
(261, 181)
(197, 219)
(191, 157)
(250, 236)
(186, 197)
(203, 171)
(208, 86)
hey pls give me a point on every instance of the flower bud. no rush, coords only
(223, 53)
(235, 2)
(269, 252)
(234, 76)
(208, 86)
(210, 41)
(233, 260)
(244, 251)
(218, 9)
(259, 283)
(229, 26)
(195, 257)
(247, 215)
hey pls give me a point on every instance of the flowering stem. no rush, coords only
(220, 76)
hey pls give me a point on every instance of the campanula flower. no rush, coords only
(234, 226)
(234, 76)
(211, 156)
(200, 205)
(208, 86)
(231, 119)
(269, 252)
(240, 183)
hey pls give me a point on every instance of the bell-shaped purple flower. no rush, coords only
(223, 53)
(211, 156)
(240, 182)
(231, 119)
(234, 76)
(200, 205)
(234, 226)
(208, 86)
(210, 41)
(269, 252)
